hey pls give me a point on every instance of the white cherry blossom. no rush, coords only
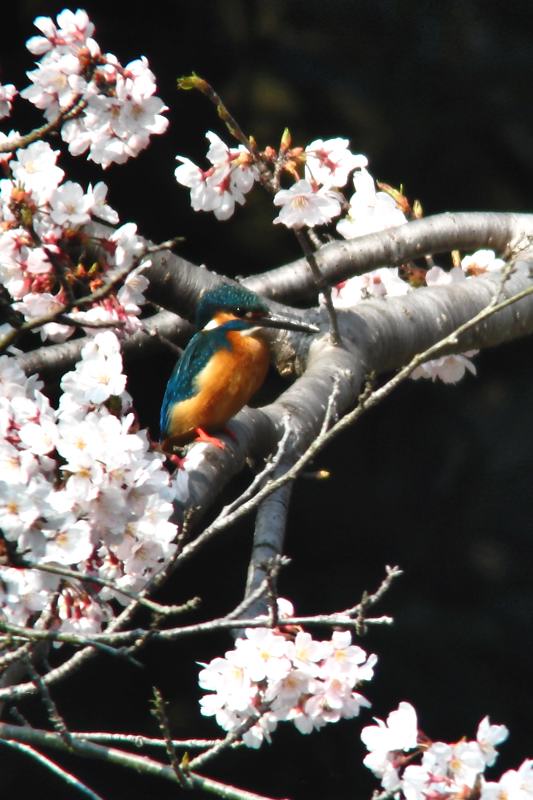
(304, 205)
(329, 161)
(370, 210)
(273, 676)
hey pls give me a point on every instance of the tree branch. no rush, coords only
(506, 233)
(379, 335)
(142, 764)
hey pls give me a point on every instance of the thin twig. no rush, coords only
(238, 611)
(115, 642)
(231, 738)
(61, 773)
(162, 610)
(73, 109)
(268, 469)
(13, 655)
(321, 284)
(160, 714)
(52, 710)
(201, 85)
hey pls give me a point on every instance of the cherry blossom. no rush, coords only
(81, 488)
(73, 28)
(448, 369)
(412, 767)
(118, 108)
(36, 170)
(306, 204)
(217, 189)
(385, 739)
(329, 162)
(488, 736)
(274, 675)
(382, 282)
(69, 205)
(515, 784)
(370, 210)
(39, 249)
(482, 261)
(436, 276)
(35, 305)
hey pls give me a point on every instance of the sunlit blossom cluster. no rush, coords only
(313, 200)
(229, 178)
(276, 675)
(51, 252)
(80, 488)
(369, 210)
(116, 110)
(316, 199)
(413, 767)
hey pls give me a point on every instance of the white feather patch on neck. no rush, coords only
(251, 331)
(211, 325)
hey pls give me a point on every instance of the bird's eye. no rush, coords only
(243, 313)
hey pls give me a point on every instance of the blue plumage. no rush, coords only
(201, 348)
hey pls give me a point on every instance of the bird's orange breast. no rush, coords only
(226, 384)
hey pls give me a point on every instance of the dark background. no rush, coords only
(438, 479)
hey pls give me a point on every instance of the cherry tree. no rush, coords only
(95, 517)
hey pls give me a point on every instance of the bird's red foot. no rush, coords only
(168, 451)
(203, 436)
(177, 460)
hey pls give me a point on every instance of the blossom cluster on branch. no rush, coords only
(80, 488)
(413, 767)
(115, 110)
(316, 200)
(229, 178)
(283, 674)
(51, 255)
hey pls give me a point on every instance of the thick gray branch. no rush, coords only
(176, 283)
(338, 260)
(57, 359)
(269, 537)
(379, 335)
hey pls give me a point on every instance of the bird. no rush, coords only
(221, 368)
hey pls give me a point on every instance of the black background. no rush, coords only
(438, 479)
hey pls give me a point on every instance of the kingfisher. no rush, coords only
(221, 368)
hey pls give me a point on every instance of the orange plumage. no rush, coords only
(222, 367)
(226, 384)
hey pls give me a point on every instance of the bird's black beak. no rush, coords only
(286, 324)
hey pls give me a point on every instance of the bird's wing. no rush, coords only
(182, 382)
